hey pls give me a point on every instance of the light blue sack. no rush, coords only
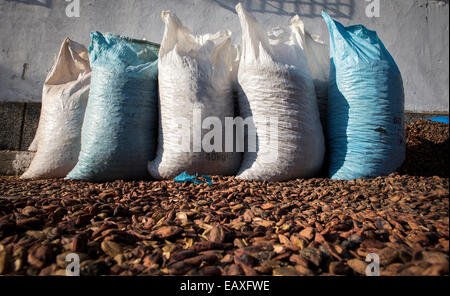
(118, 136)
(366, 136)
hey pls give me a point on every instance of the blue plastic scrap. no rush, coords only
(185, 177)
(442, 119)
(366, 102)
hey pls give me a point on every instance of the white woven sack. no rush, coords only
(276, 83)
(33, 145)
(64, 98)
(195, 76)
(318, 57)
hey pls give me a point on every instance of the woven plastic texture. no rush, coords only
(64, 98)
(277, 92)
(195, 83)
(366, 135)
(119, 130)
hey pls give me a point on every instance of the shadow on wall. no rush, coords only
(44, 3)
(304, 8)
(17, 86)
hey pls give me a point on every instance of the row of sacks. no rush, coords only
(145, 109)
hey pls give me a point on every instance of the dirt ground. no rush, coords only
(303, 227)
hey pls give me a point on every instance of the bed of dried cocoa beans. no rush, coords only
(302, 227)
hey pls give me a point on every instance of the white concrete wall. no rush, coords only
(415, 32)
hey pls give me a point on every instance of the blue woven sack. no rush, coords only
(366, 136)
(118, 136)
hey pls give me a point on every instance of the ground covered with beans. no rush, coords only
(303, 227)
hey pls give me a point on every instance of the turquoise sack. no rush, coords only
(118, 136)
(366, 136)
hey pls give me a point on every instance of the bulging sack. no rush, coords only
(318, 57)
(119, 129)
(64, 98)
(195, 97)
(366, 135)
(276, 90)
